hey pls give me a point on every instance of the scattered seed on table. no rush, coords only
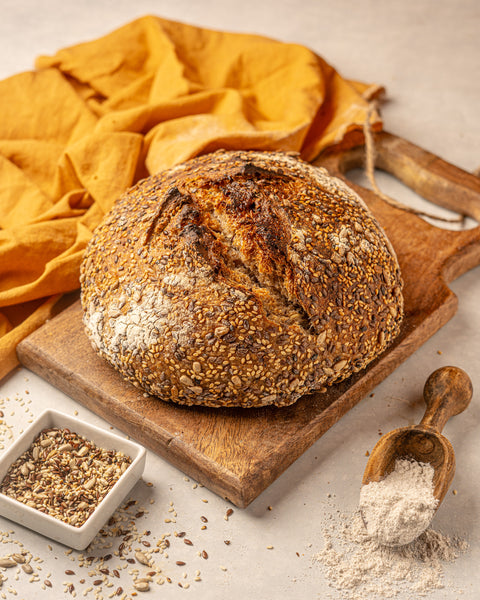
(142, 586)
(140, 556)
(7, 563)
(19, 558)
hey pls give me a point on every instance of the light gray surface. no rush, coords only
(427, 54)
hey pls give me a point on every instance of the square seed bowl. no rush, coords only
(50, 526)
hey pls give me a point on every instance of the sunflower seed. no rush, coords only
(6, 562)
(141, 586)
(142, 558)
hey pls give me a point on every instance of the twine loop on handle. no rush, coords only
(370, 160)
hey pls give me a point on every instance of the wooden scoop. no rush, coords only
(447, 392)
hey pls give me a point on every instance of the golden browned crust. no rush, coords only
(240, 279)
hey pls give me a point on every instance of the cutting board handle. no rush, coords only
(447, 252)
(425, 173)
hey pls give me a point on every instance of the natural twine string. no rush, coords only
(370, 158)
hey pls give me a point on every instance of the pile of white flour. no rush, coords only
(397, 509)
(359, 568)
(357, 563)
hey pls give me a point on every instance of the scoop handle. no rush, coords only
(447, 392)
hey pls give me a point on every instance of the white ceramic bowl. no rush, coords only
(74, 537)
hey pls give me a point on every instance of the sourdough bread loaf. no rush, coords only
(240, 279)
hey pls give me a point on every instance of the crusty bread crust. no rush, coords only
(240, 279)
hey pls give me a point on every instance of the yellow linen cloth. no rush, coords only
(87, 123)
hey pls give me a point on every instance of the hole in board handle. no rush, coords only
(394, 188)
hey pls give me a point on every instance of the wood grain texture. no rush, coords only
(237, 453)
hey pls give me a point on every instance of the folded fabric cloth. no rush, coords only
(90, 121)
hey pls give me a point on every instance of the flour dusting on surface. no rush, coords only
(357, 567)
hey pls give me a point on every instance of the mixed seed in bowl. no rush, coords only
(64, 475)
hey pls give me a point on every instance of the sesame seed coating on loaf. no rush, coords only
(240, 278)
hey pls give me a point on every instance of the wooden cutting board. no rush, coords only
(237, 453)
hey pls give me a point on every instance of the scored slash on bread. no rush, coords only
(240, 278)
